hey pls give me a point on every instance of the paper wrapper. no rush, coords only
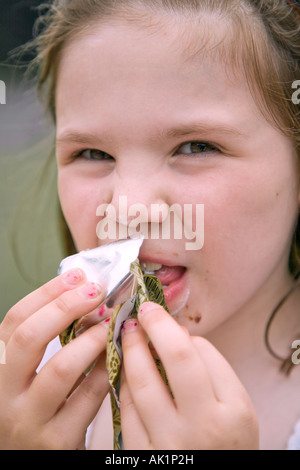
(109, 266)
(149, 288)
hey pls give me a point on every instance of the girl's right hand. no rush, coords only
(51, 409)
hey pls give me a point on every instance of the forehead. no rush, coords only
(168, 37)
(160, 69)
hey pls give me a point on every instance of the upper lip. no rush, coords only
(143, 258)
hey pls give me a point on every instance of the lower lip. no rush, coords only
(175, 294)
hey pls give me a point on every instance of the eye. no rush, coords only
(192, 148)
(95, 155)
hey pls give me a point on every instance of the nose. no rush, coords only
(138, 198)
(139, 193)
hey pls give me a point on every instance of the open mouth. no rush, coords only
(166, 274)
(175, 283)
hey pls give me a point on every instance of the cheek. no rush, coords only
(79, 201)
(251, 220)
(249, 224)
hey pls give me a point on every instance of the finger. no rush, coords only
(153, 350)
(85, 401)
(134, 434)
(56, 379)
(27, 345)
(187, 373)
(149, 393)
(38, 299)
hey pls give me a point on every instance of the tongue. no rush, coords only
(169, 274)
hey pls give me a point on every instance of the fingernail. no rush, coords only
(73, 277)
(90, 290)
(129, 326)
(147, 307)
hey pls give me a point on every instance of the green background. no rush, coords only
(30, 243)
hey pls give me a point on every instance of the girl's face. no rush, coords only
(139, 117)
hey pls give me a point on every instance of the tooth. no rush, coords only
(151, 267)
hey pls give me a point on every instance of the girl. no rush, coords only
(170, 102)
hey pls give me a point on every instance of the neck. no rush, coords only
(241, 338)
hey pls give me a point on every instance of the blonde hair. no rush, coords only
(265, 40)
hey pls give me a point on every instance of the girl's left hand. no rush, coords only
(210, 408)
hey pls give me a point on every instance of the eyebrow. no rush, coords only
(78, 138)
(204, 128)
(93, 139)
